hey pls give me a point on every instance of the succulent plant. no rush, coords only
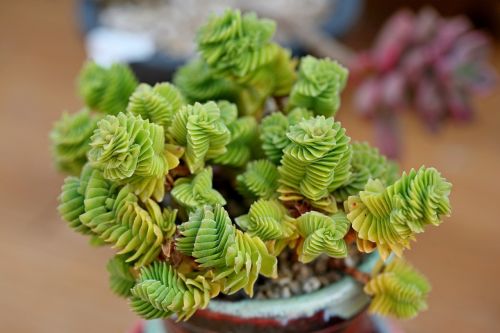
(199, 196)
(398, 290)
(318, 87)
(106, 90)
(238, 62)
(426, 63)
(71, 138)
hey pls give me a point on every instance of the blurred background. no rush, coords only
(52, 281)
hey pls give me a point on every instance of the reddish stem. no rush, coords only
(350, 238)
(339, 264)
(280, 102)
(357, 275)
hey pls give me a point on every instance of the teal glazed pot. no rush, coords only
(340, 307)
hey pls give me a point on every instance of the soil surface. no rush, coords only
(295, 278)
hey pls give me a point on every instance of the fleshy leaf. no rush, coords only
(243, 134)
(131, 150)
(201, 129)
(391, 216)
(161, 291)
(367, 163)
(239, 47)
(260, 180)
(316, 161)
(158, 104)
(399, 291)
(70, 140)
(167, 225)
(71, 201)
(117, 218)
(121, 279)
(267, 219)
(193, 192)
(322, 234)
(273, 130)
(235, 257)
(106, 90)
(319, 85)
(198, 83)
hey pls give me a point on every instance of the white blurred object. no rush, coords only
(107, 45)
(173, 23)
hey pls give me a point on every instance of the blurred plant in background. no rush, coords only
(423, 62)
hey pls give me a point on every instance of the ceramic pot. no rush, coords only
(340, 307)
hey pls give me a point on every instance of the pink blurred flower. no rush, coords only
(426, 63)
(393, 37)
(368, 97)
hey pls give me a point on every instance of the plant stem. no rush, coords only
(280, 102)
(174, 257)
(353, 272)
(180, 171)
(357, 275)
(350, 238)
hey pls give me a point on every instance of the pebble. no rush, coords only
(333, 276)
(295, 278)
(349, 261)
(324, 280)
(259, 295)
(285, 271)
(305, 272)
(284, 281)
(296, 267)
(286, 293)
(312, 284)
(320, 266)
(295, 287)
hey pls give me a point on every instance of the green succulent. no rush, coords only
(124, 146)
(167, 221)
(161, 291)
(121, 279)
(273, 130)
(235, 258)
(116, 217)
(243, 134)
(158, 104)
(201, 129)
(70, 140)
(322, 234)
(129, 149)
(391, 216)
(316, 161)
(267, 219)
(197, 191)
(106, 90)
(399, 291)
(238, 47)
(260, 180)
(366, 163)
(198, 83)
(201, 184)
(319, 84)
(71, 200)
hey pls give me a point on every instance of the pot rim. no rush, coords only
(344, 298)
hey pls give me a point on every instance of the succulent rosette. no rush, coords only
(199, 197)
